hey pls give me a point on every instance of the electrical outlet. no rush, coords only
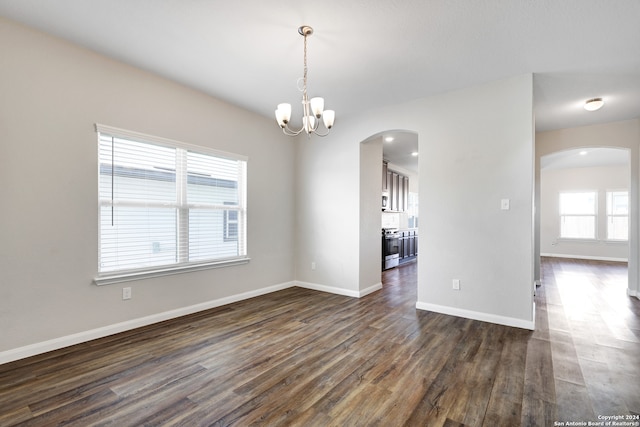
(126, 293)
(456, 284)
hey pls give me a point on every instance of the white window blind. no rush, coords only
(578, 215)
(166, 204)
(617, 215)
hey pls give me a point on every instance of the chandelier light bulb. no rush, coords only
(317, 106)
(328, 117)
(283, 114)
(309, 124)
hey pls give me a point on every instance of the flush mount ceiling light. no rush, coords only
(312, 109)
(593, 104)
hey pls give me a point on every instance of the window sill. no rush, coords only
(592, 241)
(576, 240)
(108, 279)
(616, 242)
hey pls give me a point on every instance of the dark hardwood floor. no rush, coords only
(306, 358)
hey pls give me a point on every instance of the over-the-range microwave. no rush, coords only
(385, 202)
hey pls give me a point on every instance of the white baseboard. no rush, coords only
(80, 337)
(588, 257)
(476, 315)
(339, 291)
(370, 290)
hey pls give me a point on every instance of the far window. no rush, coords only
(578, 215)
(617, 215)
(413, 210)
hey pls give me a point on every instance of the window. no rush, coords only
(578, 215)
(230, 225)
(617, 215)
(166, 205)
(412, 210)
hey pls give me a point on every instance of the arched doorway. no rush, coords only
(585, 198)
(393, 152)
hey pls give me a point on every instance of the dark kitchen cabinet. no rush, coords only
(396, 187)
(385, 180)
(403, 193)
(405, 247)
(395, 190)
(408, 245)
(414, 243)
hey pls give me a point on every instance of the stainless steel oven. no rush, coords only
(390, 249)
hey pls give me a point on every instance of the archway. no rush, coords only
(399, 149)
(565, 147)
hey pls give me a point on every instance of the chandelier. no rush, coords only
(313, 109)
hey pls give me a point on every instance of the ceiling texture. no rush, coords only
(367, 53)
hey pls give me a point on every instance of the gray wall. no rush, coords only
(51, 94)
(370, 201)
(476, 148)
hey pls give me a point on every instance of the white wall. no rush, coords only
(476, 148)
(370, 257)
(328, 207)
(600, 179)
(478, 151)
(624, 134)
(51, 94)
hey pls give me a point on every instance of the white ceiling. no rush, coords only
(397, 147)
(368, 53)
(585, 157)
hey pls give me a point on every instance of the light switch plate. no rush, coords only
(504, 204)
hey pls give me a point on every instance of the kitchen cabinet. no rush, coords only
(385, 180)
(406, 194)
(408, 245)
(414, 245)
(403, 193)
(396, 187)
(395, 184)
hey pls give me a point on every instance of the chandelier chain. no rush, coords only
(305, 66)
